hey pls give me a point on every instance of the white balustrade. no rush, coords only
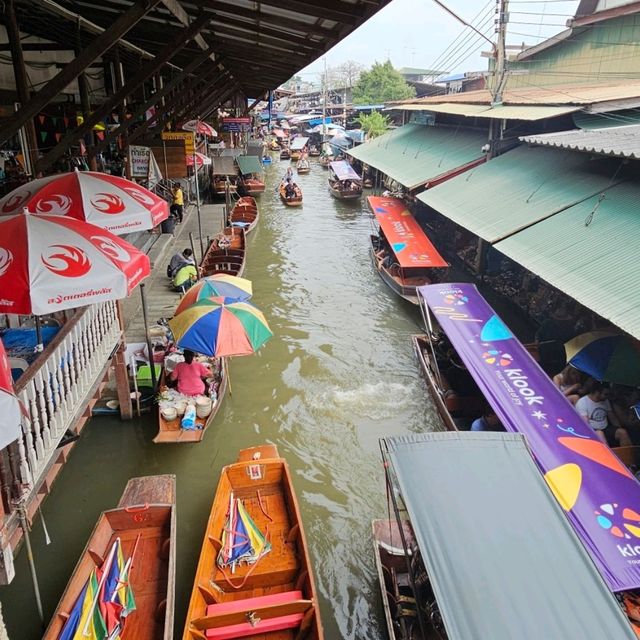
(55, 388)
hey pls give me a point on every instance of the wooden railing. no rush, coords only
(57, 386)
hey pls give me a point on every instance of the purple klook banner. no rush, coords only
(598, 493)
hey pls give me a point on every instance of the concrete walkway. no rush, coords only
(161, 300)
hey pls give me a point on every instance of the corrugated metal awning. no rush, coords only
(589, 251)
(502, 559)
(224, 166)
(500, 112)
(517, 189)
(415, 154)
(249, 164)
(621, 142)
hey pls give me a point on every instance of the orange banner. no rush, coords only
(404, 234)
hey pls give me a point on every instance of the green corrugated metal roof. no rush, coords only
(414, 154)
(498, 112)
(249, 164)
(595, 264)
(514, 190)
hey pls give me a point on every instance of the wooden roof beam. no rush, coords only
(178, 11)
(257, 54)
(318, 10)
(98, 47)
(276, 43)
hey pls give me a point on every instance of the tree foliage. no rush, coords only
(382, 83)
(374, 124)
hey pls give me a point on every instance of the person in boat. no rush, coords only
(190, 376)
(489, 421)
(288, 176)
(569, 381)
(178, 261)
(595, 409)
(290, 189)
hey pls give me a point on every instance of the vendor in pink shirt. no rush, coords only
(190, 375)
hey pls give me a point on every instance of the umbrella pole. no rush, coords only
(39, 343)
(22, 514)
(226, 372)
(193, 250)
(152, 366)
(195, 173)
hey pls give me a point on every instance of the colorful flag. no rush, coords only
(86, 621)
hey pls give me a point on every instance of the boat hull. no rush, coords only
(276, 587)
(254, 187)
(345, 194)
(146, 515)
(230, 260)
(244, 214)
(290, 202)
(171, 431)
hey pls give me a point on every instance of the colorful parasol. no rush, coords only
(201, 159)
(242, 541)
(50, 263)
(221, 286)
(10, 408)
(107, 201)
(214, 329)
(200, 127)
(607, 356)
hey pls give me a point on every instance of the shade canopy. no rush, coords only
(224, 166)
(249, 164)
(407, 239)
(344, 171)
(10, 409)
(502, 560)
(51, 263)
(217, 286)
(200, 127)
(298, 143)
(415, 155)
(200, 159)
(111, 202)
(598, 493)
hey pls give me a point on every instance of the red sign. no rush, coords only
(407, 239)
(236, 120)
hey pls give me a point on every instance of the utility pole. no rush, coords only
(502, 8)
(324, 102)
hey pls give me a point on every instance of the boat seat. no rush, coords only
(250, 616)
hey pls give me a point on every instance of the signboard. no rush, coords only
(420, 117)
(236, 124)
(139, 161)
(187, 136)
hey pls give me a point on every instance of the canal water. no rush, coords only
(338, 375)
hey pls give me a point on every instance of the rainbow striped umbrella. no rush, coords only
(215, 329)
(219, 285)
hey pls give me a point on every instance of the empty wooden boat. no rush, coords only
(144, 522)
(170, 429)
(244, 214)
(273, 598)
(226, 254)
(291, 201)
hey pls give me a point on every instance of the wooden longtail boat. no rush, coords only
(146, 517)
(171, 431)
(220, 184)
(314, 152)
(226, 254)
(296, 201)
(253, 186)
(325, 161)
(397, 597)
(303, 166)
(344, 182)
(244, 214)
(274, 598)
(285, 154)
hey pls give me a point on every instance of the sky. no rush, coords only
(416, 33)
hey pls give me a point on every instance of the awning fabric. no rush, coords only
(278, 133)
(415, 154)
(407, 239)
(502, 560)
(517, 188)
(499, 112)
(597, 492)
(344, 171)
(249, 164)
(595, 263)
(224, 166)
(298, 143)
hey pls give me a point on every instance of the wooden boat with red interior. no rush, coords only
(226, 253)
(145, 523)
(292, 201)
(220, 185)
(172, 405)
(244, 214)
(401, 253)
(273, 598)
(253, 186)
(344, 182)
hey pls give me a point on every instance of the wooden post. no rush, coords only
(20, 74)
(85, 102)
(122, 383)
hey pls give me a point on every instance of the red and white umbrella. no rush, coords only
(10, 408)
(200, 127)
(201, 159)
(110, 202)
(50, 263)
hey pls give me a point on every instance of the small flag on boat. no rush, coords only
(116, 599)
(85, 615)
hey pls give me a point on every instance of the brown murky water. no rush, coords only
(338, 375)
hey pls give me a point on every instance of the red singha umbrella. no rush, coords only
(107, 201)
(200, 127)
(10, 407)
(50, 263)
